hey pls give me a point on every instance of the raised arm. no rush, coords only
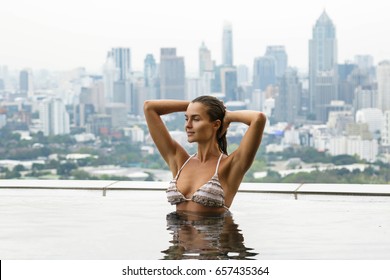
(166, 145)
(243, 157)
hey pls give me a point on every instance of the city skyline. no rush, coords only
(62, 36)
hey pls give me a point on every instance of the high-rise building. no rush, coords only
(151, 79)
(122, 59)
(150, 71)
(172, 75)
(122, 81)
(205, 62)
(242, 74)
(229, 83)
(365, 97)
(346, 85)
(192, 88)
(54, 117)
(97, 91)
(383, 78)
(227, 45)
(288, 102)
(206, 72)
(26, 82)
(281, 60)
(110, 76)
(264, 73)
(85, 108)
(322, 67)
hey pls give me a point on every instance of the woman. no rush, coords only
(207, 181)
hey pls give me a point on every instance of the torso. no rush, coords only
(195, 174)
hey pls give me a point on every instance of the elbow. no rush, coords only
(261, 118)
(148, 105)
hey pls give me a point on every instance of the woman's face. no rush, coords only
(198, 126)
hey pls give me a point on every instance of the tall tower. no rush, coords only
(150, 70)
(172, 75)
(322, 66)
(280, 56)
(122, 91)
(26, 82)
(383, 77)
(288, 102)
(151, 78)
(229, 83)
(205, 62)
(227, 45)
(206, 70)
(122, 59)
(264, 72)
(110, 75)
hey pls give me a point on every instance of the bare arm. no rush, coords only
(243, 157)
(166, 145)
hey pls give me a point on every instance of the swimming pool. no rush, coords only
(130, 220)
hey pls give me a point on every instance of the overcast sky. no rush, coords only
(67, 34)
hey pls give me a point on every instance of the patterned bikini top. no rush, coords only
(210, 194)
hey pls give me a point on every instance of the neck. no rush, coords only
(208, 151)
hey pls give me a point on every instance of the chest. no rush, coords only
(193, 176)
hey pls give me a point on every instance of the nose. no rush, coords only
(188, 123)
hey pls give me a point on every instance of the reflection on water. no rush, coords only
(205, 237)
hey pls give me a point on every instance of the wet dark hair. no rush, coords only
(216, 111)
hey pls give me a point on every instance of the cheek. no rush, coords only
(206, 129)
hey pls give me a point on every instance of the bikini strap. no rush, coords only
(188, 159)
(219, 160)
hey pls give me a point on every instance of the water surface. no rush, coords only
(205, 237)
(133, 224)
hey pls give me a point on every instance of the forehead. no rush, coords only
(196, 109)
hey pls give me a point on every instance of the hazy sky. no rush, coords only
(67, 34)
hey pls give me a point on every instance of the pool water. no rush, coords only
(136, 224)
(205, 237)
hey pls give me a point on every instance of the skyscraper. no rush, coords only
(383, 77)
(206, 70)
(122, 59)
(122, 89)
(322, 66)
(264, 73)
(172, 74)
(365, 97)
(26, 82)
(288, 102)
(280, 56)
(150, 70)
(227, 45)
(110, 75)
(151, 79)
(346, 85)
(242, 75)
(229, 83)
(205, 62)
